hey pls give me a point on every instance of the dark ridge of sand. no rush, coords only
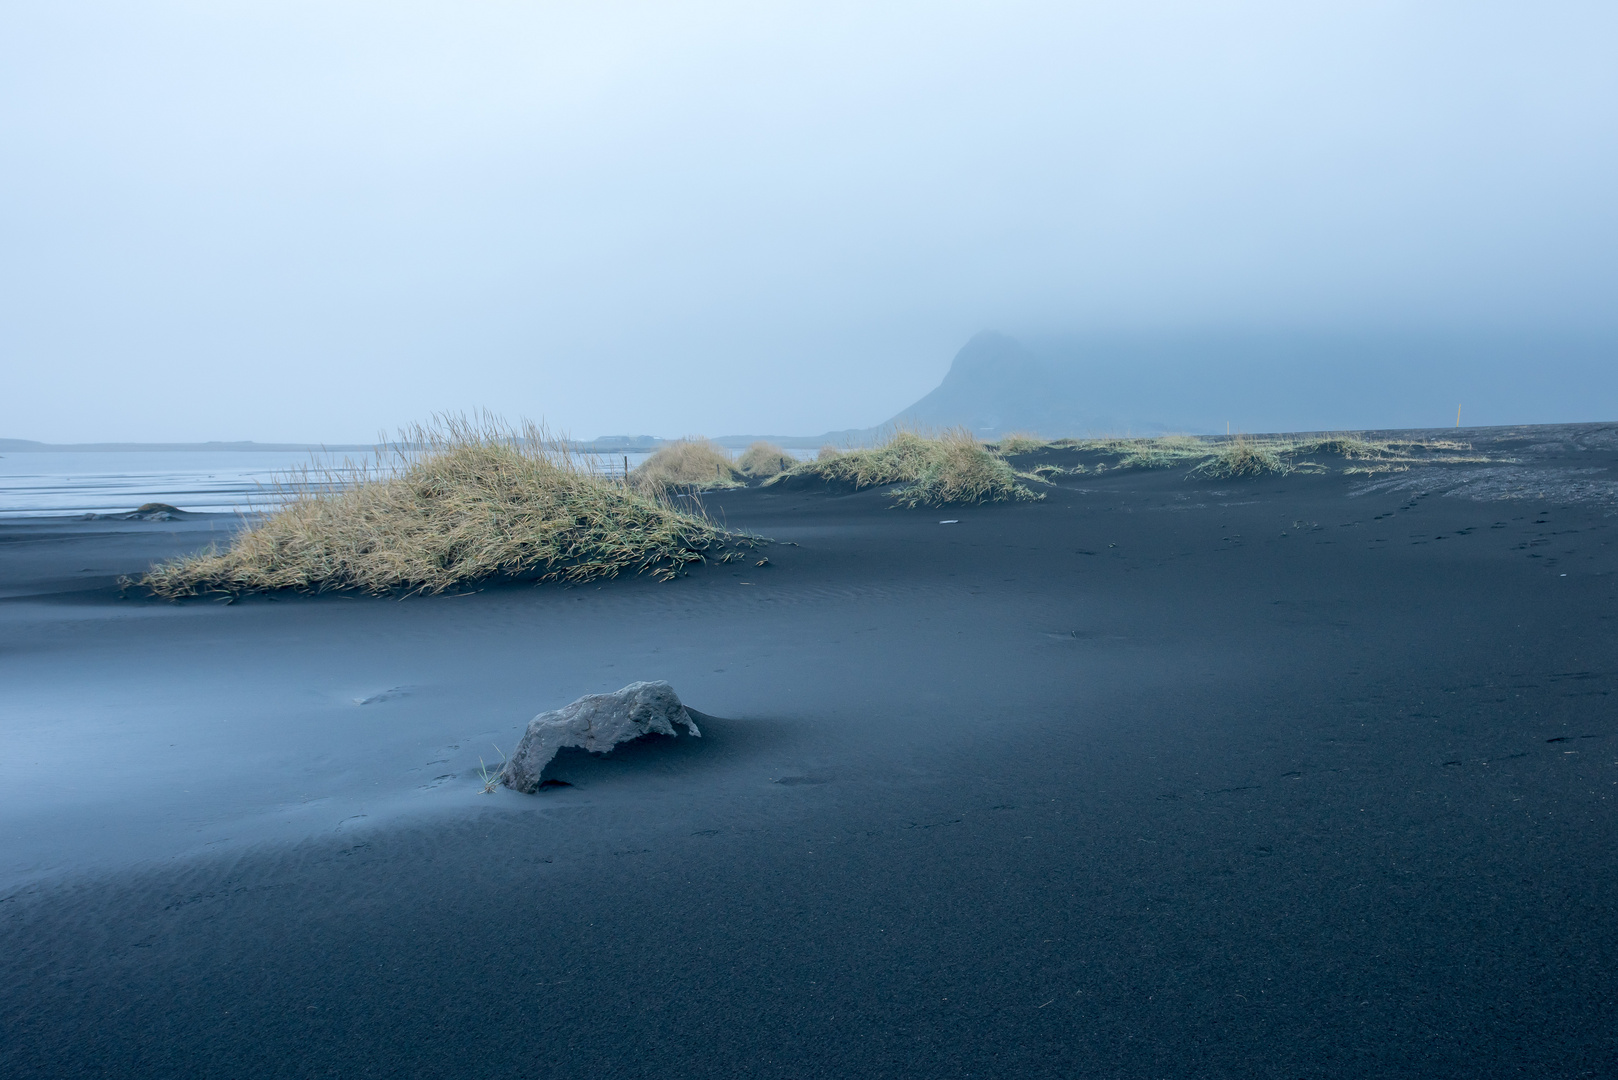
(1309, 776)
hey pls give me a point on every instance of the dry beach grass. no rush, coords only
(934, 470)
(1241, 455)
(690, 464)
(763, 460)
(460, 501)
(1019, 442)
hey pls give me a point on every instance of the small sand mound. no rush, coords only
(1019, 442)
(466, 503)
(1245, 457)
(935, 471)
(763, 460)
(686, 464)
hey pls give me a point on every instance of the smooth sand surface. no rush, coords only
(1161, 777)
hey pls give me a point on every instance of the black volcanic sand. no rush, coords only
(1160, 777)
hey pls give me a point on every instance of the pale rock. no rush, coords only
(597, 722)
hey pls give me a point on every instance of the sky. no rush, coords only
(318, 221)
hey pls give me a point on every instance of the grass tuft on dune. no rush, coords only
(1164, 452)
(952, 467)
(685, 465)
(461, 502)
(1238, 456)
(1018, 442)
(763, 460)
(1242, 456)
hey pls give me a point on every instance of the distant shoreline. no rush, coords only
(607, 444)
(645, 444)
(28, 446)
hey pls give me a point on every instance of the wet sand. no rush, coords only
(1308, 776)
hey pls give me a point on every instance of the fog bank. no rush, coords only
(309, 222)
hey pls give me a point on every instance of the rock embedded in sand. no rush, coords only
(597, 722)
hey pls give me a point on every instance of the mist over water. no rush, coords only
(316, 222)
(63, 484)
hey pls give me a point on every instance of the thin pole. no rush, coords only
(1457, 417)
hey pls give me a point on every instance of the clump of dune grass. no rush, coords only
(1370, 457)
(952, 467)
(763, 460)
(1160, 452)
(1346, 446)
(1018, 442)
(452, 504)
(961, 470)
(1245, 455)
(685, 465)
(1242, 456)
(1390, 455)
(827, 452)
(1164, 452)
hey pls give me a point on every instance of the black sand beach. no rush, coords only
(1312, 776)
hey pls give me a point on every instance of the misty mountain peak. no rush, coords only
(991, 385)
(991, 358)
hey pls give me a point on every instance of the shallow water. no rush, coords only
(201, 481)
(109, 481)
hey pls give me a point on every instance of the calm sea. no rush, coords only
(106, 482)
